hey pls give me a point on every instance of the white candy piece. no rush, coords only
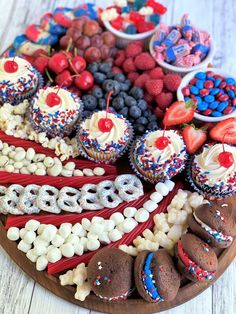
(40, 241)
(114, 235)
(92, 236)
(148, 235)
(129, 212)
(39, 250)
(58, 240)
(54, 255)
(97, 219)
(84, 242)
(93, 245)
(162, 188)
(128, 225)
(67, 250)
(65, 229)
(150, 206)
(175, 233)
(88, 172)
(31, 256)
(131, 250)
(156, 197)
(13, 234)
(23, 247)
(32, 225)
(41, 263)
(117, 218)
(141, 215)
(169, 184)
(29, 237)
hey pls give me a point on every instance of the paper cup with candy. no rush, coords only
(182, 48)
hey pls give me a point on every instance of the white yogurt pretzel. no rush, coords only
(108, 197)
(3, 191)
(89, 199)
(47, 199)
(68, 200)
(129, 186)
(9, 202)
(27, 200)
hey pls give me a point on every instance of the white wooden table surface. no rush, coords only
(18, 293)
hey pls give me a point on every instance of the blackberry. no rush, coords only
(90, 102)
(136, 92)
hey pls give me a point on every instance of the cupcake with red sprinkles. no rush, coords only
(18, 80)
(55, 110)
(158, 155)
(212, 172)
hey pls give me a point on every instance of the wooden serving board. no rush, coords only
(136, 305)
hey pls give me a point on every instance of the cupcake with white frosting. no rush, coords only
(104, 136)
(55, 111)
(18, 80)
(213, 171)
(158, 155)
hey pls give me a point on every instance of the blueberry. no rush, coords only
(99, 77)
(108, 85)
(136, 92)
(152, 118)
(110, 75)
(131, 29)
(123, 95)
(142, 104)
(105, 67)
(97, 92)
(86, 113)
(152, 125)
(118, 103)
(135, 112)
(124, 112)
(130, 101)
(139, 128)
(128, 83)
(142, 120)
(119, 77)
(102, 103)
(93, 67)
(147, 113)
(116, 89)
(124, 87)
(90, 102)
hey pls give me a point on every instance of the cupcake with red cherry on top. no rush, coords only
(55, 110)
(18, 80)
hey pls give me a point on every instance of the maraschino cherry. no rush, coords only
(106, 124)
(226, 159)
(162, 142)
(11, 66)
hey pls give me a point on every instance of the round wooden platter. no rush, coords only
(136, 305)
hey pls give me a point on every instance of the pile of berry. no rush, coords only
(141, 69)
(126, 99)
(214, 95)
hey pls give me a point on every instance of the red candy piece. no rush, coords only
(210, 73)
(162, 142)
(207, 112)
(186, 91)
(228, 110)
(136, 18)
(117, 23)
(10, 66)
(226, 159)
(53, 99)
(222, 85)
(234, 102)
(223, 97)
(193, 81)
(157, 7)
(204, 92)
(208, 84)
(105, 125)
(32, 32)
(144, 27)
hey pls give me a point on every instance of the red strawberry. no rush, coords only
(141, 80)
(129, 66)
(156, 73)
(145, 61)
(154, 87)
(133, 50)
(225, 131)
(172, 82)
(132, 76)
(179, 112)
(120, 58)
(194, 138)
(116, 70)
(164, 100)
(149, 98)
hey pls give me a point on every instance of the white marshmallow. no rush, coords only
(13, 234)
(141, 215)
(104, 239)
(67, 250)
(162, 188)
(41, 263)
(156, 197)
(72, 239)
(108, 225)
(41, 228)
(22, 232)
(96, 228)
(65, 229)
(23, 247)
(84, 242)
(129, 212)
(97, 219)
(40, 241)
(78, 230)
(93, 245)
(150, 206)
(128, 225)
(32, 225)
(86, 224)
(54, 255)
(92, 236)
(169, 184)
(117, 218)
(39, 250)
(49, 232)
(79, 249)
(31, 256)
(29, 237)
(114, 235)
(58, 240)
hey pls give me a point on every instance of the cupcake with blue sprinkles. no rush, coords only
(156, 278)
(158, 155)
(212, 172)
(18, 80)
(104, 136)
(55, 110)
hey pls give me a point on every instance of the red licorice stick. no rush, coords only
(39, 149)
(58, 182)
(57, 220)
(69, 263)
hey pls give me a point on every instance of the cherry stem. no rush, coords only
(69, 44)
(108, 102)
(71, 64)
(48, 76)
(75, 51)
(59, 87)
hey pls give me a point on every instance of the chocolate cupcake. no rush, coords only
(155, 276)
(110, 274)
(196, 259)
(214, 224)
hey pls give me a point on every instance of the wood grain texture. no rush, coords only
(18, 293)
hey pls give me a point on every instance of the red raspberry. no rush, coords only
(133, 50)
(132, 76)
(172, 82)
(120, 58)
(129, 66)
(145, 62)
(164, 100)
(149, 98)
(156, 73)
(116, 70)
(141, 80)
(154, 87)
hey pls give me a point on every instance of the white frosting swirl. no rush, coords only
(116, 133)
(208, 163)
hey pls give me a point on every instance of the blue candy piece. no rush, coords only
(202, 106)
(231, 94)
(221, 107)
(126, 9)
(209, 98)
(210, 78)
(131, 29)
(230, 81)
(216, 114)
(48, 24)
(201, 75)
(215, 91)
(187, 99)
(139, 3)
(194, 90)
(155, 18)
(200, 84)
(19, 41)
(213, 105)
(217, 82)
(198, 99)
(10, 53)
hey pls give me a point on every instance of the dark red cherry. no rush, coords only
(105, 125)
(162, 142)
(10, 66)
(226, 159)
(53, 99)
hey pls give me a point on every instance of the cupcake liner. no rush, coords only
(208, 192)
(101, 157)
